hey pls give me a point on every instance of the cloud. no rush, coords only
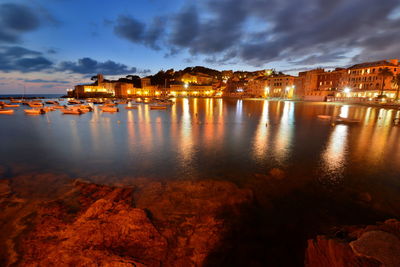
(138, 32)
(258, 32)
(16, 58)
(90, 66)
(16, 19)
(45, 81)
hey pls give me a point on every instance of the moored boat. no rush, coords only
(157, 107)
(131, 107)
(70, 111)
(11, 105)
(34, 111)
(109, 109)
(6, 111)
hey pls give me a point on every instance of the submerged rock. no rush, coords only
(375, 245)
(148, 224)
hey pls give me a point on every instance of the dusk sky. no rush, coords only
(50, 45)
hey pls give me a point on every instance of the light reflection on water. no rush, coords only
(208, 138)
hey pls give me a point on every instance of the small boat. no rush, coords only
(59, 107)
(324, 117)
(109, 109)
(37, 111)
(11, 105)
(47, 109)
(35, 105)
(346, 120)
(69, 111)
(131, 107)
(6, 111)
(15, 101)
(157, 107)
(51, 102)
(74, 102)
(110, 104)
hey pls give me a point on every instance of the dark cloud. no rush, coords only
(137, 32)
(45, 81)
(16, 19)
(258, 32)
(90, 66)
(16, 58)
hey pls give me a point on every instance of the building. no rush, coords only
(365, 80)
(192, 90)
(148, 90)
(104, 88)
(280, 85)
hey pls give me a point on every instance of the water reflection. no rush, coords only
(334, 156)
(284, 134)
(260, 144)
(208, 138)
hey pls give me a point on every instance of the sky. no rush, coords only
(48, 46)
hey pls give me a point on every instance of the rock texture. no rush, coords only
(375, 245)
(147, 224)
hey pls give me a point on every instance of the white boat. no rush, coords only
(131, 107)
(6, 111)
(70, 111)
(346, 120)
(109, 109)
(37, 111)
(157, 107)
(74, 102)
(324, 117)
(35, 104)
(11, 105)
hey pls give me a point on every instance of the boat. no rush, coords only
(324, 117)
(51, 102)
(11, 105)
(35, 104)
(131, 107)
(70, 111)
(110, 104)
(346, 120)
(59, 107)
(109, 109)
(74, 102)
(47, 109)
(157, 107)
(15, 101)
(6, 111)
(37, 111)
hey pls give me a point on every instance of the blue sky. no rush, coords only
(50, 45)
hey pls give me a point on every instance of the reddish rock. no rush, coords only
(374, 245)
(149, 224)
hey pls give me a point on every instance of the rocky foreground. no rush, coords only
(370, 246)
(150, 224)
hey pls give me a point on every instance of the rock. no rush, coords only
(277, 173)
(150, 224)
(379, 245)
(373, 245)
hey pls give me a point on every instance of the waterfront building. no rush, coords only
(280, 85)
(365, 80)
(102, 87)
(185, 89)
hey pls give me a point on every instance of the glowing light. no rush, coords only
(186, 85)
(129, 92)
(347, 90)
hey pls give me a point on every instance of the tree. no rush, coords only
(396, 82)
(384, 73)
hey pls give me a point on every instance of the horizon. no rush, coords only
(51, 46)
